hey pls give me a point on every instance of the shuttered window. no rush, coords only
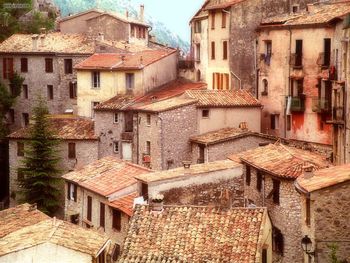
(89, 208)
(117, 220)
(48, 65)
(7, 67)
(212, 50)
(71, 151)
(225, 49)
(102, 215)
(24, 65)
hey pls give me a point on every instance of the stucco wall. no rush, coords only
(229, 117)
(77, 24)
(202, 39)
(111, 28)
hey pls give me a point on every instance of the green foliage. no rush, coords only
(38, 22)
(333, 254)
(41, 180)
(7, 100)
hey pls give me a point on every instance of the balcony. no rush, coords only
(297, 103)
(320, 105)
(127, 136)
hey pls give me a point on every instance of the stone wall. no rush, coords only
(286, 216)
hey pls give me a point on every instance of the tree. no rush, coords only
(41, 180)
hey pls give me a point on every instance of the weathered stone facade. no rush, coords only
(285, 216)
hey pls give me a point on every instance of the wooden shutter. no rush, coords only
(212, 50)
(213, 20)
(299, 52)
(89, 208)
(224, 47)
(102, 215)
(223, 19)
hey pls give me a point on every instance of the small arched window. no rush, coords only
(198, 77)
(265, 85)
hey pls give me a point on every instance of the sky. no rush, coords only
(175, 14)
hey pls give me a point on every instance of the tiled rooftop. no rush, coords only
(66, 127)
(194, 170)
(15, 218)
(107, 175)
(220, 4)
(324, 178)
(124, 61)
(223, 98)
(282, 161)
(165, 105)
(53, 43)
(221, 135)
(194, 234)
(125, 203)
(56, 232)
(321, 13)
(169, 90)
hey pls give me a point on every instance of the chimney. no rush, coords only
(35, 42)
(142, 13)
(308, 170)
(310, 8)
(157, 204)
(42, 40)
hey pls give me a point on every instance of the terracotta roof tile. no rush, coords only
(15, 218)
(324, 178)
(195, 170)
(322, 13)
(223, 98)
(282, 161)
(56, 232)
(122, 61)
(220, 4)
(125, 203)
(194, 234)
(66, 127)
(164, 105)
(107, 175)
(220, 136)
(53, 43)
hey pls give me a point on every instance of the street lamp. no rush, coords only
(306, 244)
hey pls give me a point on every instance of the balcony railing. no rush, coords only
(320, 105)
(297, 103)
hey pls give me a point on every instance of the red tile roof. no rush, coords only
(124, 61)
(219, 136)
(223, 98)
(194, 234)
(221, 4)
(107, 175)
(169, 90)
(282, 161)
(324, 178)
(66, 127)
(125, 203)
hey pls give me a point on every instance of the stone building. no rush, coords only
(78, 146)
(298, 58)
(101, 196)
(107, 25)
(216, 184)
(29, 236)
(269, 175)
(223, 35)
(46, 61)
(198, 234)
(324, 195)
(103, 76)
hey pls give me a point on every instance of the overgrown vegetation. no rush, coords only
(41, 180)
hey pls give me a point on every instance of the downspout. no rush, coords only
(289, 70)
(138, 140)
(161, 142)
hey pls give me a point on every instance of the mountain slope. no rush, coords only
(163, 35)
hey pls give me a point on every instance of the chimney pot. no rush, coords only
(35, 42)
(308, 170)
(142, 13)
(157, 203)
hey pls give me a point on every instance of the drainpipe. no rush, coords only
(161, 141)
(138, 140)
(289, 70)
(240, 81)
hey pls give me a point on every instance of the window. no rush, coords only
(268, 52)
(205, 113)
(117, 220)
(212, 50)
(247, 175)
(102, 257)
(25, 119)
(265, 87)
(72, 90)
(199, 75)
(223, 22)
(144, 191)
(259, 181)
(298, 53)
(49, 92)
(95, 79)
(148, 119)
(198, 26)
(93, 105)
(276, 191)
(116, 146)
(277, 241)
(148, 147)
(20, 149)
(116, 252)
(198, 52)
(129, 80)
(297, 88)
(71, 150)
(48, 65)
(12, 115)
(72, 192)
(24, 65)
(295, 8)
(274, 121)
(224, 50)
(221, 81)
(89, 208)
(327, 52)
(116, 117)
(264, 256)
(212, 15)
(25, 91)
(289, 122)
(128, 121)
(102, 215)
(7, 67)
(307, 211)
(68, 66)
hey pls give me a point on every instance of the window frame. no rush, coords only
(259, 181)
(102, 215)
(205, 115)
(148, 147)
(68, 66)
(116, 220)
(72, 191)
(95, 79)
(89, 208)
(49, 65)
(25, 91)
(225, 50)
(72, 151)
(129, 81)
(7, 67)
(223, 19)
(72, 90)
(212, 50)
(25, 119)
(24, 65)
(148, 120)
(50, 92)
(212, 16)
